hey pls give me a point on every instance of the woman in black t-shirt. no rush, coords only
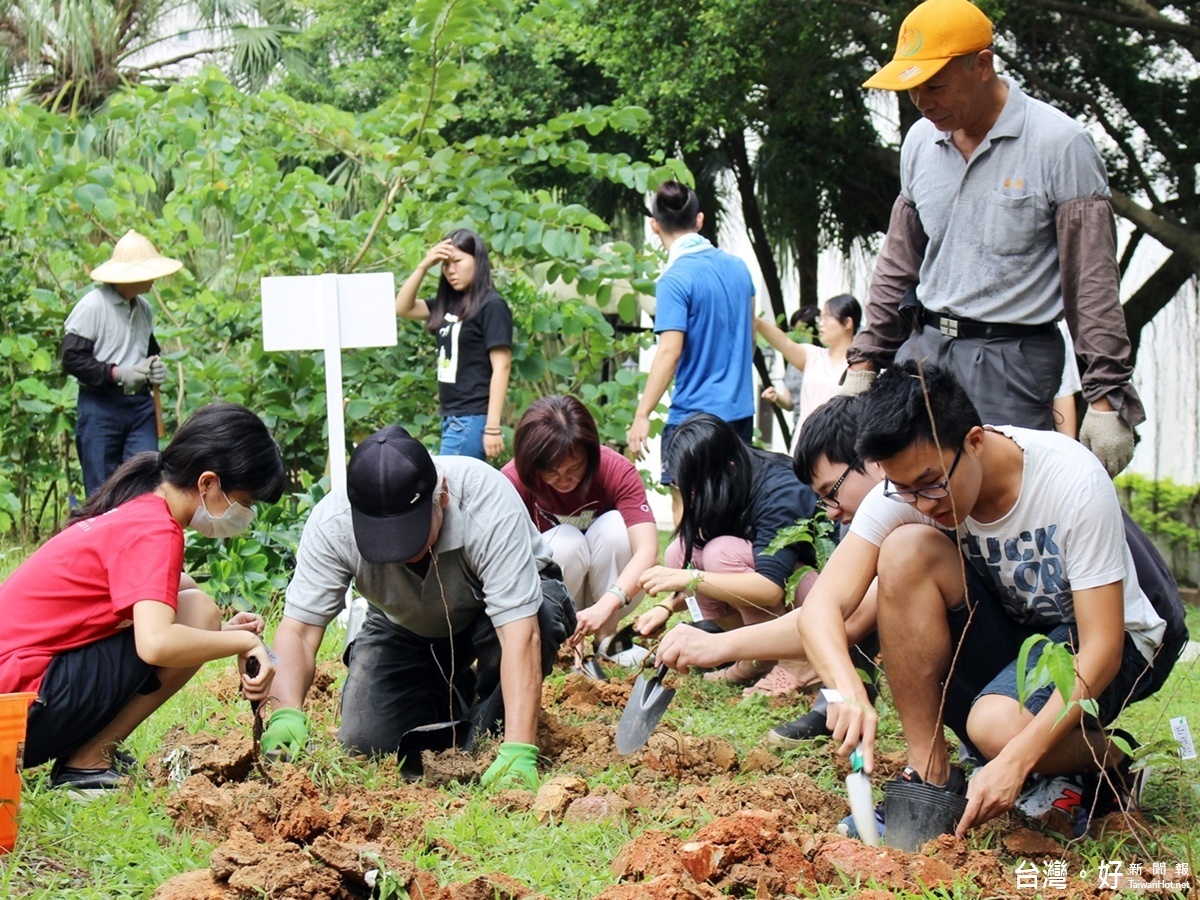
(730, 502)
(474, 329)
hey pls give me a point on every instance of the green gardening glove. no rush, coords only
(515, 767)
(286, 734)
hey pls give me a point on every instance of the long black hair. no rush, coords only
(481, 284)
(714, 472)
(221, 437)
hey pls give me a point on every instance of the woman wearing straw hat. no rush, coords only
(110, 349)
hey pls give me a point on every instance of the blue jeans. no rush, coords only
(109, 429)
(463, 436)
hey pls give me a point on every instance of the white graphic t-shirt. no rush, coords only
(1064, 534)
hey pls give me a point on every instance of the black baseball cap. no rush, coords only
(391, 482)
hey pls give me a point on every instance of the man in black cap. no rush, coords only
(466, 610)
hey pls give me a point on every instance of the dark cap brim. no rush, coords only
(392, 539)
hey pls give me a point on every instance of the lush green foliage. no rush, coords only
(1162, 508)
(239, 187)
(73, 56)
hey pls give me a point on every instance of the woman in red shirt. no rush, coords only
(590, 504)
(102, 623)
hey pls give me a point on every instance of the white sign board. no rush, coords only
(294, 318)
(330, 312)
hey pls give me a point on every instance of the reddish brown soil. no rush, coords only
(755, 827)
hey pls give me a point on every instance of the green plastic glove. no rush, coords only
(515, 767)
(286, 734)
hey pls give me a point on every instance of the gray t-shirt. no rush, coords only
(993, 245)
(487, 557)
(120, 330)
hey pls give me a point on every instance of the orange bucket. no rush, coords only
(14, 712)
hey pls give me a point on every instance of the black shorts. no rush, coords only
(82, 692)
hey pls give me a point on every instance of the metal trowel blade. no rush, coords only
(862, 807)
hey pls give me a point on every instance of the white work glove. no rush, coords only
(158, 370)
(1108, 436)
(857, 382)
(132, 378)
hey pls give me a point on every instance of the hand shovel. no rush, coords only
(862, 805)
(647, 702)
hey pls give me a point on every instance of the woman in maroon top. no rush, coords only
(590, 504)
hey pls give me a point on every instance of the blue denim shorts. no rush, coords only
(987, 651)
(1130, 684)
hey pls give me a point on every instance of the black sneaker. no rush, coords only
(957, 784)
(790, 735)
(85, 783)
(809, 727)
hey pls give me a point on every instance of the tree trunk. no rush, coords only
(1157, 291)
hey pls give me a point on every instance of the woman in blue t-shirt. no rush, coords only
(474, 330)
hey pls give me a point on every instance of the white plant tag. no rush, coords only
(1183, 736)
(693, 606)
(832, 695)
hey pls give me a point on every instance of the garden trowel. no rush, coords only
(647, 702)
(862, 803)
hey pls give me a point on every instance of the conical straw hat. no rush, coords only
(134, 259)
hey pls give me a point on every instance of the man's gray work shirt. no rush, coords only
(487, 556)
(993, 246)
(119, 329)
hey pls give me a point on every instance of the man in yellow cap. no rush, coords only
(1004, 224)
(110, 348)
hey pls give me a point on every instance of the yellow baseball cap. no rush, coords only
(932, 35)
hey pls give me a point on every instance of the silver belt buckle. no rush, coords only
(948, 326)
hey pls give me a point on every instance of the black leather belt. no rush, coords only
(954, 327)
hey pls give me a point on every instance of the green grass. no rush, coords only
(125, 845)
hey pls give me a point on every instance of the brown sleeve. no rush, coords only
(1087, 259)
(896, 270)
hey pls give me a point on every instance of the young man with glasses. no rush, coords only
(982, 537)
(826, 461)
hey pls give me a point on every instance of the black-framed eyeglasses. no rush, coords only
(929, 492)
(829, 501)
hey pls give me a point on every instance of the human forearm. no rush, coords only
(793, 352)
(177, 646)
(1090, 282)
(407, 304)
(520, 678)
(897, 269)
(296, 645)
(662, 370)
(78, 360)
(1095, 668)
(501, 359)
(740, 589)
(822, 631)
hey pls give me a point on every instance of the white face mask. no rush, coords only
(233, 521)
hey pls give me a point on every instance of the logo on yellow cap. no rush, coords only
(910, 41)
